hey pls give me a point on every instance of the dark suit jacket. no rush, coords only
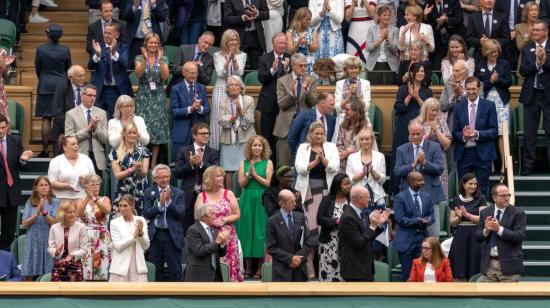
(509, 245)
(63, 101)
(409, 230)
(355, 250)
(503, 6)
(431, 170)
(300, 127)
(486, 125)
(454, 24)
(51, 62)
(504, 81)
(186, 53)
(404, 69)
(499, 31)
(324, 217)
(544, 9)
(283, 246)
(174, 213)
(267, 100)
(182, 120)
(270, 200)
(199, 266)
(187, 173)
(95, 32)
(119, 68)
(133, 18)
(14, 149)
(234, 9)
(529, 70)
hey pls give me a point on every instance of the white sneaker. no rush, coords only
(49, 3)
(37, 18)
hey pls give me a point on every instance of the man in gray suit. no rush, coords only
(88, 124)
(295, 92)
(206, 246)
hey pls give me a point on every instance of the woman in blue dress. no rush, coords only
(327, 17)
(302, 38)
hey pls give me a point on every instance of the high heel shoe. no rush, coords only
(44, 154)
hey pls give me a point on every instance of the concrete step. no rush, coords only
(538, 215)
(536, 250)
(77, 54)
(41, 37)
(61, 17)
(532, 198)
(538, 233)
(71, 5)
(37, 166)
(537, 268)
(73, 45)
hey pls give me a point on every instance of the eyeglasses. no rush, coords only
(204, 134)
(505, 195)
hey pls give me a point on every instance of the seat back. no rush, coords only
(236, 187)
(375, 118)
(8, 33)
(16, 112)
(225, 272)
(150, 271)
(381, 272)
(45, 278)
(170, 52)
(17, 248)
(267, 272)
(251, 79)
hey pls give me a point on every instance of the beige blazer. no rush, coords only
(287, 103)
(245, 130)
(78, 240)
(76, 125)
(123, 240)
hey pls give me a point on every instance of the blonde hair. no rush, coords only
(526, 9)
(226, 38)
(150, 36)
(364, 133)
(121, 149)
(64, 207)
(208, 176)
(266, 151)
(314, 126)
(428, 104)
(296, 23)
(351, 62)
(416, 11)
(489, 46)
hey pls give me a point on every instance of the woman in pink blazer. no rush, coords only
(67, 244)
(432, 266)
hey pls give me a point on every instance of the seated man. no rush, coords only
(8, 267)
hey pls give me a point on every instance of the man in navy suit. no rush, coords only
(8, 267)
(475, 131)
(322, 112)
(188, 105)
(106, 11)
(426, 157)
(413, 212)
(501, 231)
(535, 92)
(163, 208)
(191, 162)
(110, 62)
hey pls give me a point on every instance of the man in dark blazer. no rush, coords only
(513, 11)
(501, 231)
(12, 158)
(247, 21)
(140, 21)
(356, 232)
(95, 29)
(271, 66)
(480, 29)
(288, 241)
(535, 93)
(445, 17)
(206, 245)
(188, 105)
(163, 208)
(110, 65)
(323, 112)
(413, 213)
(475, 131)
(191, 162)
(66, 97)
(544, 11)
(197, 53)
(426, 157)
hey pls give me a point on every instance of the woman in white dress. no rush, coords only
(275, 22)
(327, 17)
(228, 61)
(360, 15)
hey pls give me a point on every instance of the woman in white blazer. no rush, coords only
(130, 240)
(317, 162)
(124, 112)
(350, 86)
(368, 166)
(67, 244)
(327, 17)
(415, 30)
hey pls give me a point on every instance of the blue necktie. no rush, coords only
(280, 67)
(89, 118)
(78, 98)
(298, 92)
(191, 92)
(493, 236)
(109, 77)
(417, 205)
(210, 233)
(290, 224)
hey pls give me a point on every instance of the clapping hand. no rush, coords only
(7, 60)
(113, 46)
(40, 207)
(196, 106)
(97, 48)
(239, 107)
(494, 77)
(421, 159)
(222, 236)
(428, 9)
(160, 53)
(144, 53)
(164, 195)
(58, 249)
(139, 228)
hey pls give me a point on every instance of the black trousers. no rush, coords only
(531, 120)
(9, 223)
(251, 45)
(267, 124)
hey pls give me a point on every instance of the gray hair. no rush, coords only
(202, 211)
(123, 99)
(238, 80)
(297, 57)
(87, 87)
(462, 63)
(413, 122)
(160, 167)
(73, 68)
(357, 193)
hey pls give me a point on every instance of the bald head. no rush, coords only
(360, 196)
(460, 70)
(415, 180)
(190, 71)
(287, 200)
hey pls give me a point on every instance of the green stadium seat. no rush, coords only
(435, 80)
(267, 272)
(17, 248)
(251, 79)
(444, 221)
(170, 52)
(213, 49)
(16, 112)
(45, 278)
(8, 34)
(453, 184)
(150, 271)
(475, 278)
(225, 272)
(381, 272)
(375, 118)
(214, 77)
(394, 265)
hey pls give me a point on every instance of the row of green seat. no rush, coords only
(8, 34)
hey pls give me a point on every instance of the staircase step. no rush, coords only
(27, 180)
(535, 250)
(71, 5)
(539, 182)
(538, 215)
(32, 45)
(60, 17)
(68, 27)
(537, 268)
(538, 233)
(41, 37)
(77, 54)
(532, 198)
(38, 165)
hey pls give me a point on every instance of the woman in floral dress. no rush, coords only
(327, 17)
(94, 212)
(302, 38)
(5, 62)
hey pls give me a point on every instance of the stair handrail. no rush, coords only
(508, 162)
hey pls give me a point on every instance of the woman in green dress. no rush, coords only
(152, 70)
(255, 173)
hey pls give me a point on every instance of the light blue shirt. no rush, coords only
(412, 192)
(160, 220)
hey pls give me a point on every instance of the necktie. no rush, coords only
(472, 122)
(417, 205)
(6, 166)
(109, 77)
(280, 67)
(322, 118)
(197, 56)
(493, 237)
(439, 9)
(213, 256)
(145, 15)
(365, 218)
(538, 77)
(89, 118)
(416, 153)
(191, 91)
(298, 92)
(78, 98)
(290, 224)
(487, 26)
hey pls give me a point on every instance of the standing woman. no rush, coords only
(274, 23)
(327, 17)
(457, 51)
(360, 15)
(152, 70)
(124, 113)
(354, 122)
(529, 15)
(302, 38)
(226, 212)
(236, 119)
(130, 162)
(228, 61)
(255, 173)
(67, 244)
(130, 240)
(38, 216)
(465, 253)
(415, 30)
(52, 60)
(317, 162)
(94, 212)
(5, 61)
(328, 217)
(415, 56)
